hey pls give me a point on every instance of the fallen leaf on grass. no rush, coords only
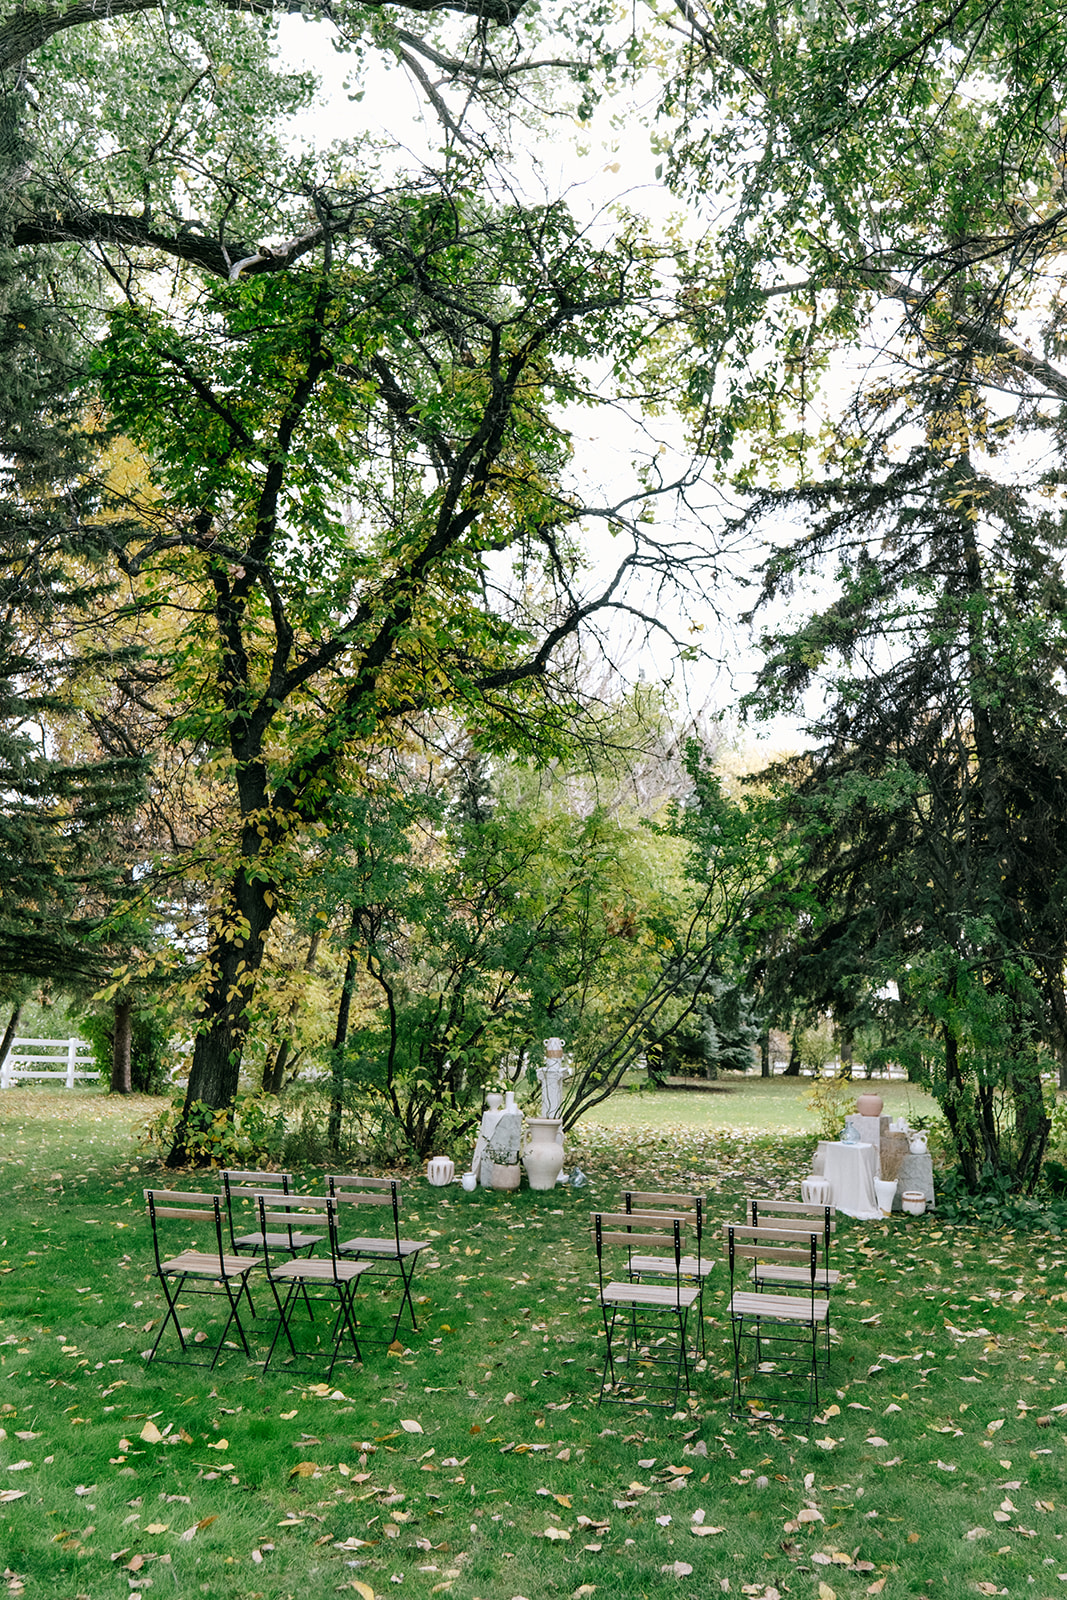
(409, 1425)
(700, 1529)
(677, 1569)
(556, 1533)
(582, 1590)
(304, 1469)
(878, 1444)
(157, 1527)
(876, 1587)
(19, 1466)
(363, 1588)
(12, 1494)
(826, 1593)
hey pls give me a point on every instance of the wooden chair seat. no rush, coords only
(649, 1294)
(209, 1266)
(278, 1241)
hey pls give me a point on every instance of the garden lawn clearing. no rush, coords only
(473, 1461)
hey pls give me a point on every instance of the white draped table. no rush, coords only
(851, 1170)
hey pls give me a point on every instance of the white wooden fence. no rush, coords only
(46, 1058)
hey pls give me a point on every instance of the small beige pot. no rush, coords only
(913, 1202)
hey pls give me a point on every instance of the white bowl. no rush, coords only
(913, 1202)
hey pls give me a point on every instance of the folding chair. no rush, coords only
(323, 1278)
(801, 1217)
(772, 1319)
(246, 1187)
(387, 1253)
(653, 1316)
(689, 1209)
(225, 1275)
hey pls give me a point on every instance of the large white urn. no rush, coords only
(542, 1151)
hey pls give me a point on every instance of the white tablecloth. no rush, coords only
(852, 1169)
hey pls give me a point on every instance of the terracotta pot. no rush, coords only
(542, 1154)
(869, 1105)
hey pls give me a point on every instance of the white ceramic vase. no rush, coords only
(919, 1145)
(542, 1152)
(440, 1170)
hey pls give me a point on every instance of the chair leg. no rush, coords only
(406, 1278)
(283, 1320)
(171, 1316)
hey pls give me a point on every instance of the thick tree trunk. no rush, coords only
(340, 1038)
(793, 1066)
(9, 1031)
(122, 1049)
(236, 955)
(845, 1053)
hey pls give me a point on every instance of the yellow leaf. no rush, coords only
(826, 1593)
(220, 1444)
(582, 1590)
(876, 1587)
(363, 1588)
(303, 1469)
(563, 1500)
(150, 1433)
(157, 1527)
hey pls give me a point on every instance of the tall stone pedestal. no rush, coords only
(917, 1173)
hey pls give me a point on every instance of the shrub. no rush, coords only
(253, 1133)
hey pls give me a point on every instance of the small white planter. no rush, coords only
(913, 1202)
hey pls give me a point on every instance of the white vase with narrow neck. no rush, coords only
(542, 1151)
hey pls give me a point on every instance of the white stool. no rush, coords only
(816, 1191)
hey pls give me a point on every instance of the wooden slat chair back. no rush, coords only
(802, 1217)
(789, 1319)
(690, 1209)
(207, 1273)
(327, 1278)
(645, 1323)
(385, 1250)
(245, 1188)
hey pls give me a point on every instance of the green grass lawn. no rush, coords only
(476, 1463)
(769, 1105)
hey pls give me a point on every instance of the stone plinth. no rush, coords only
(916, 1173)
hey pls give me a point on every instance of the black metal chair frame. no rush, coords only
(689, 1208)
(249, 1186)
(775, 1319)
(801, 1218)
(646, 1310)
(331, 1276)
(383, 1255)
(193, 1266)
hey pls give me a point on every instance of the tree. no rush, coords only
(356, 504)
(906, 197)
(58, 881)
